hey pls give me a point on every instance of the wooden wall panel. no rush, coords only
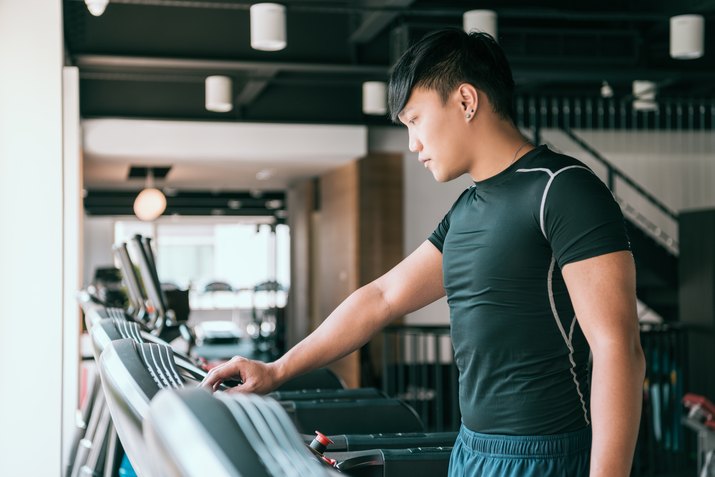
(300, 205)
(380, 236)
(338, 261)
(355, 237)
(380, 215)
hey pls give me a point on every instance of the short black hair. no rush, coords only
(443, 60)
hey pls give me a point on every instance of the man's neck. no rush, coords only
(497, 148)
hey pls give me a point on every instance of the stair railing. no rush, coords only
(616, 176)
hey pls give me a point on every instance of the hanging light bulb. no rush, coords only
(151, 202)
(268, 26)
(96, 7)
(480, 20)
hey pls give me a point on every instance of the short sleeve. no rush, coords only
(440, 233)
(581, 217)
(437, 237)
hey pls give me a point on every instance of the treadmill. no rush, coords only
(228, 430)
(137, 296)
(167, 324)
(162, 321)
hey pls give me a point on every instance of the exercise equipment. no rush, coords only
(701, 418)
(235, 429)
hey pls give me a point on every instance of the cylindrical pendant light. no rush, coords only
(480, 20)
(374, 97)
(219, 94)
(644, 96)
(687, 33)
(268, 26)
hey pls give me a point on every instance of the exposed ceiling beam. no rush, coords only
(373, 23)
(111, 63)
(267, 70)
(254, 87)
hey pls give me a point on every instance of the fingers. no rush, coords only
(222, 372)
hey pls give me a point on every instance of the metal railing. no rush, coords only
(418, 367)
(564, 113)
(614, 173)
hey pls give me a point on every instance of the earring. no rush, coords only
(471, 111)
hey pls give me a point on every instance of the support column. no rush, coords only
(31, 237)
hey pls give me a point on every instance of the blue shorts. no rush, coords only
(490, 455)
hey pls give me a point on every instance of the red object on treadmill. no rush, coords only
(320, 442)
(691, 400)
(705, 408)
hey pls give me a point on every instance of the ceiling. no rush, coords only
(148, 59)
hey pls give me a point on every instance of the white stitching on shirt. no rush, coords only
(567, 339)
(554, 311)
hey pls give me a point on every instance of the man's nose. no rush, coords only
(414, 144)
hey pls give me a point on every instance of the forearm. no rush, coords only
(347, 328)
(616, 400)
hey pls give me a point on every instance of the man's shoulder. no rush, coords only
(553, 161)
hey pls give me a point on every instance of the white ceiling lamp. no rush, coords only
(151, 202)
(606, 90)
(268, 26)
(219, 94)
(374, 98)
(480, 20)
(687, 33)
(96, 7)
(644, 95)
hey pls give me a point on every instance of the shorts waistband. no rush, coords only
(527, 446)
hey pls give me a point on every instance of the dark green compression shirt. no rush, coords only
(521, 355)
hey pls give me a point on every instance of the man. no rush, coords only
(536, 267)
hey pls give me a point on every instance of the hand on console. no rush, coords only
(252, 376)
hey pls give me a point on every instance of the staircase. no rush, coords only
(654, 250)
(656, 273)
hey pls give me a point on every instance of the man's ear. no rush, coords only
(468, 99)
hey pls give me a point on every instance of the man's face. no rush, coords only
(437, 133)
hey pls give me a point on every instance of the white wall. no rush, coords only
(425, 200)
(675, 167)
(98, 240)
(31, 241)
(72, 256)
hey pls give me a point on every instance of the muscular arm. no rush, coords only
(410, 285)
(602, 291)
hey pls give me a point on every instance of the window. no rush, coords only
(220, 260)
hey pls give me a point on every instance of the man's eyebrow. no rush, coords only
(402, 113)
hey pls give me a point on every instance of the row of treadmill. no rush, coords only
(145, 413)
